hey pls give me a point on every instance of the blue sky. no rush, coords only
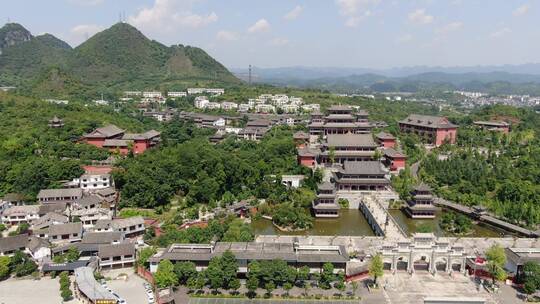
(341, 33)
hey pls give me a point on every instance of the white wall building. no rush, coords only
(152, 94)
(176, 94)
(192, 91)
(265, 108)
(201, 102)
(213, 105)
(227, 105)
(89, 182)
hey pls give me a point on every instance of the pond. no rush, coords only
(411, 226)
(349, 222)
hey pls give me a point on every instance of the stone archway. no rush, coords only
(441, 264)
(402, 263)
(387, 263)
(421, 263)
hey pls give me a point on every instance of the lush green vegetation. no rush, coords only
(455, 223)
(531, 277)
(34, 156)
(496, 259)
(65, 290)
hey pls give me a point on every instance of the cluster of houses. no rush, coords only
(81, 216)
(265, 103)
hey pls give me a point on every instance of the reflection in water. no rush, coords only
(350, 222)
(411, 226)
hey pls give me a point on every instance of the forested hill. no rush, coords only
(117, 58)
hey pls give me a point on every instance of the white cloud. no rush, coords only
(227, 36)
(294, 13)
(522, 10)
(260, 26)
(500, 33)
(420, 16)
(279, 41)
(352, 10)
(170, 14)
(404, 38)
(450, 27)
(78, 34)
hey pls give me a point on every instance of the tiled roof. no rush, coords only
(107, 251)
(428, 121)
(350, 140)
(68, 228)
(53, 193)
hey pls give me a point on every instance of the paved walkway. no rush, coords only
(387, 223)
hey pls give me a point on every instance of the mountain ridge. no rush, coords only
(120, 57)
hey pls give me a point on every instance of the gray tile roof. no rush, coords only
(339, 108)
(350, 140)
(107, 132)
(391, 152)
(87, 284)
(326, 186)
(22, 210)
(12, 243)
(52, 207)
(54, 193)
(35, 243)
(107, 251)
(13, 197)
(385, 135)
(106, 191)
(89, 201)
(68, 228)
(428, 121)
(363, 167)
(101, 237)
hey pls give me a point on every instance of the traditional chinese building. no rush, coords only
(421, 206)
(341, 119)
(498, 126)
(301, 139)
(432, 129)
(361, 176)
(339, 148)
(56, 122)
(116, 140)
(325, 204)
(394, 159)
(386, 140)
(308, 157)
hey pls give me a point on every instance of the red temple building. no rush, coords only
(116, 140)
(432, 129)
(394, 160)
(341, 119)
(386, 140)
(301, 139)
(307, 157)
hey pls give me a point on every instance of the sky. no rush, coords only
(317, 33)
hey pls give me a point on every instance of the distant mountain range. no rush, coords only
(120, 57)
(507, 79)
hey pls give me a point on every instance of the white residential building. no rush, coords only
(152, 94)
(289, 108)
(101, 102)
(227, 105)
(296, 100)
(132, 93)
(215, 91)
(201, 102)
(89, 182)
(244, 107)
(265, 108)
(20, 214)
(176, 94)
(213, 105)
(311, 107)
(220, 122)
(192, 91)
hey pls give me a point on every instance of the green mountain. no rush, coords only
(13, 34)
(118, 58)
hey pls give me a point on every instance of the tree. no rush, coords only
(4, 267)
(26, 268)
(184, 271)
(72, 254)
(376, 268)
(327, 276)
(252, 284)
(23, 228)
(165, 276)
(270, 286)
(196, 282)
(229, 267)
(234, 285)
(531, 277)
(66, 294)
(144, 255)
(496, 258)
(354, 286)
(287, 286)
(303, 274)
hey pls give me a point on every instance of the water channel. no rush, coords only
(352, 222)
